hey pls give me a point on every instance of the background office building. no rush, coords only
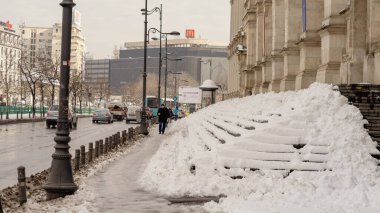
(198, 57)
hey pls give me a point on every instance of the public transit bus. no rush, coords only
(152, 103)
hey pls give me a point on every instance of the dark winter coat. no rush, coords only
(163, 114)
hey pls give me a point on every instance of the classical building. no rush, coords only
(10, 51)
(280, 45)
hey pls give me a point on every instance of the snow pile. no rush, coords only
(248, 148)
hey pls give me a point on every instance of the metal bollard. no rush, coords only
(90, 151)
(77, 159)
(110, 143)
(101, 147)
(82, 155)
(96, 149)
(1, 207)
(130, 133)
(106, 145)
(1, 115)
(118, 138)
(21, 185)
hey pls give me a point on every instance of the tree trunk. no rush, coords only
(34, 100)
(52, 94)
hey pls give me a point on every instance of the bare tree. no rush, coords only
(7, 76)
(31, 75)
(76, 82)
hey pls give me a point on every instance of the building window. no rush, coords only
(41, 34)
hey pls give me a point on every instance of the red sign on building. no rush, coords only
(190, 33)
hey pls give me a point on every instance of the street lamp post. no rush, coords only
(174, 33)
(143, 127)
(61, 181)
(208, 62)
(175, 80)
(159, 9)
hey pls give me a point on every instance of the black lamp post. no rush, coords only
(165, 35)
(157, 9)
(143, 127)
(166, 69)
(175, 80)
(61, 181)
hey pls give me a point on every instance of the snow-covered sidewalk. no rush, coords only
(112, 186)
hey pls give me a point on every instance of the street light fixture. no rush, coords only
(165, 35)
(175, 80)
(61, 181)
(209, 61)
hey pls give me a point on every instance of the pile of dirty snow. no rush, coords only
(246, 149)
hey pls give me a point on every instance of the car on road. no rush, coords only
(132, 114)
(52, 117)
(102, 115)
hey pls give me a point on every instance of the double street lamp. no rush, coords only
(157, 9)
(165, 35)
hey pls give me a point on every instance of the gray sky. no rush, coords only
(107, 23)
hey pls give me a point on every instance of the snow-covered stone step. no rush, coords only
(221, 135)
(265, 147)
(270, 156)
(238, 121)
(233, 130)
(275, 165)
(285, 131)
(265, 137)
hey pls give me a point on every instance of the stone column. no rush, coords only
(259, 46)
(371, 62)
(250, 30)
(333, 38)
(351, 69)
(266, 62)
(278, 39)
(310, 44)
(291, 53)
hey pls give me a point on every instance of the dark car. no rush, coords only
(52, 117)
(102, 115)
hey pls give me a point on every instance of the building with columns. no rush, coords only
(281, 45)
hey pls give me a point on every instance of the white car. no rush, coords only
(132, 114)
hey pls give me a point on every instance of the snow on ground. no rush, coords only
(254, 139)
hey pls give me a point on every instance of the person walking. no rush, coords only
(163, 115)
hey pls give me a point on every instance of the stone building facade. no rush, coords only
(281, 45)
(10, 50)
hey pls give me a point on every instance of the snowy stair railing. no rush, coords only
(366, 97)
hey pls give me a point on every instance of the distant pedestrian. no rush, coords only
(175, 112)
(163, 115)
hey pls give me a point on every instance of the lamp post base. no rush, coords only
(143, 125)
(61, 181)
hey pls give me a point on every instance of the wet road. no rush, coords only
(116, 188)
(31, 145)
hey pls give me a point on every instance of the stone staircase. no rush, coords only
(367, 98)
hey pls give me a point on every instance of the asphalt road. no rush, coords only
(31, 145)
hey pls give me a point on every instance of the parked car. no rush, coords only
(102, 115)
(52, 118)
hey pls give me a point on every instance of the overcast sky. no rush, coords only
(107, 23)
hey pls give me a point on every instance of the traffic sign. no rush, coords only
(175, 98)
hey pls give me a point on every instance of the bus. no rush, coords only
(152, 103)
